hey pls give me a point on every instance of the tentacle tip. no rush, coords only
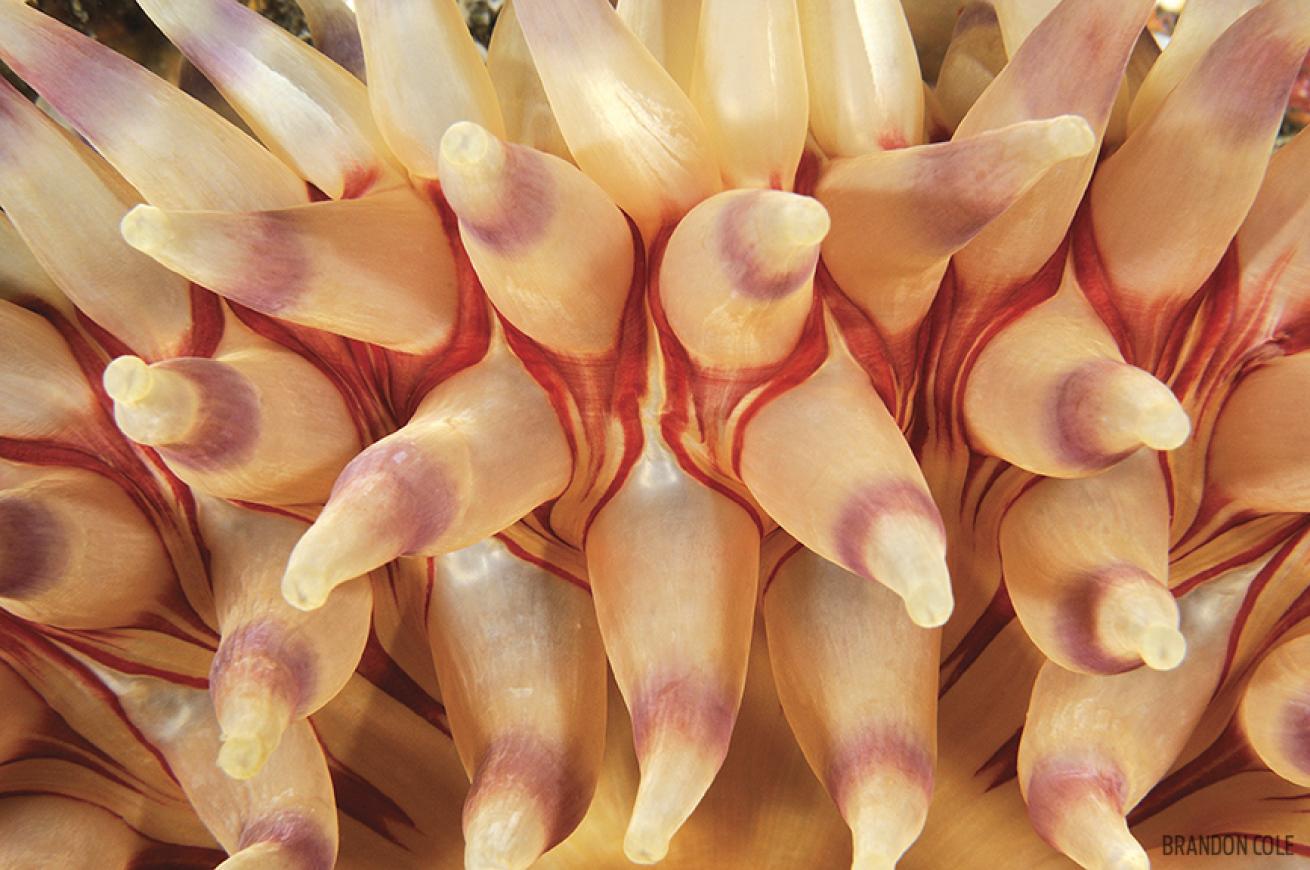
(482, 862)
(503, 830)
(127, 380)
(146, 228)
(1129, 859)
(257, 856)
(250, 858)
(467, 145)
(927, 614)
(803, 221)
(476, 858)
(241, 757)
(1070, 136)
(645, 843)
(1163, 647)
(1166, 427)
(660, 808)
(305, 590)
(1151, 412)
(930, 605)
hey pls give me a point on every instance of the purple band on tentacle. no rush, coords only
(523, 219)
(874, 504)
(878, 749)
(742, 257)
(421, 498)
(32, 547)
(303, 843)
(227, 421)
(539, 772)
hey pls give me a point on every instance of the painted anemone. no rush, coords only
(889, 442)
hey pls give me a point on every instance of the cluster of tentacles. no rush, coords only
(944, 448)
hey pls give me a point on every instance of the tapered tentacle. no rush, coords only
(667, 28)
(284, 816)
(924, 204)
(55, 804)
(1199, 25)
(258, 424)
(974, 58)
(625, 121)
(1051, 394)
(1086, 566)
(748, 84)
(737, 278)
(275, 664)
(1191, 196)
(674, 567)
(849, 489)
(523, 680)
(83, 835)
(1093, 746)
(42, 390)
(1146, 51)
(306, 109)
(64, 733)
(858, 682)
(930, 23)
(1041, 81)
(519, 213)
(75, 550)
(864, 84)
(44, 172)
(1273, 245)
(335, 33)
(1259, 456)
(1010, 24)
(192, 82)
(168, 146)
(377, 269)
(425, 74)
(1019, 18)
(21, 276)
(1275, 710)
(529, 119)
(483, 449)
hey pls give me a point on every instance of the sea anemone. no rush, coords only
(929, 466)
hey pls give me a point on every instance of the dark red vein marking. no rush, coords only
(384, 674)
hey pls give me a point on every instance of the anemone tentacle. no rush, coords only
(904, 402)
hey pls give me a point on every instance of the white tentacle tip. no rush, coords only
(1163, 648)
(147, 229)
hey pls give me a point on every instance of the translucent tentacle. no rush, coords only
(849, 489)
(519, 213)
(673, 566)
(170, 147)
(275, 664)
(309, 264)
(483, 449)
(857, 680)
(259, 424)
(306, 109)
(523, 678)
(737, 279)
(75, 550)
(626, 122)
(44, 172)
(425, 74)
